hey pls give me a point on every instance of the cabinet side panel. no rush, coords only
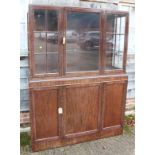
(113, 104)
(45, 113)
(81, 113)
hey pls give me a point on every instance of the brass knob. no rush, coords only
(60, 110)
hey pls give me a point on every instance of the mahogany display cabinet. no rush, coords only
(77, 81)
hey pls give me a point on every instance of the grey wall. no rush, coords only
(23, 57)
(24, 101)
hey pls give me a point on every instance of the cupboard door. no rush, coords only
(114, 94)
(81, 110)
(45, 117)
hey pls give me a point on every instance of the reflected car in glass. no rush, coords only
(53, 37)
(89, 40)
(71, 36)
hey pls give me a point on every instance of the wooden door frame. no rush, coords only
(31, 40)
(83, 10)
(126, 15)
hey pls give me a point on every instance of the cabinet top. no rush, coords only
(46, 7)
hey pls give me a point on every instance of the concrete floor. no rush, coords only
(118, 145)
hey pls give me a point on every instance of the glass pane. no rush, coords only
(115, 24)
(119, 43)
(52, 62)
(82, 41)
(46, 43)
(120, 25)
(110, 24)
(39, 20)
(39, 42)
(52, 52)
(40, 63)
(52, 42)
(52, 20)
(114, 42)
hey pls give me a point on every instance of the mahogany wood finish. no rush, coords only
(81, 109)
(73, 107)
(45, 115)
(113, 104)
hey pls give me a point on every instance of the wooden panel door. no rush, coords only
(44, 111)
(113, 104)
(81, 110)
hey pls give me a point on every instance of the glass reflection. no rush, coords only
(46, 43)
(40, 63)
(114, 42)
(52, 62)
(39, 20)
(82, 41)
(52, 20)
(39, 42)
(52, 52)
(52, 42)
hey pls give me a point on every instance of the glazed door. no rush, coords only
(82, 48)
(45, 41)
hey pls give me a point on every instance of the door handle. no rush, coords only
(63, 40)
(60, 110)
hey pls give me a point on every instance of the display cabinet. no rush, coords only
(77, 82)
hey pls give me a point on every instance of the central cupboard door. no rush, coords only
(81, 110)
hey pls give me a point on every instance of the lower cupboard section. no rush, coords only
(77, 113)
